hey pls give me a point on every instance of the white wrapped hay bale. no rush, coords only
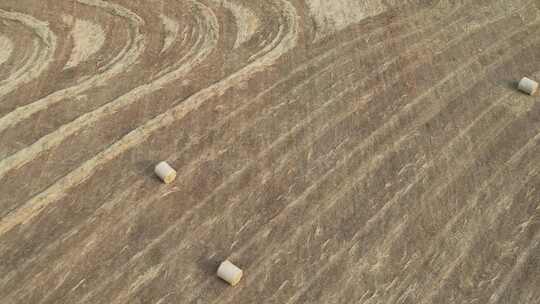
(165, 172)
(229, 272)
(528, 86)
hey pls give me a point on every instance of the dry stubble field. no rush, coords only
(339, 151)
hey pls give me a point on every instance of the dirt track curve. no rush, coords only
(338, 151)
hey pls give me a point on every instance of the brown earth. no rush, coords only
(338, 151)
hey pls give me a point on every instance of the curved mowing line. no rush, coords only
(137, 136)
(39, 60)
(258, 98)
(16, 62)
(172, 29)
(247, 22)
(289, 42)
(207, 40)
(88, 38)
(124, 59)
(55, 138)
(16, 163)
(7, 49)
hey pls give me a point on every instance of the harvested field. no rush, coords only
(339, 151)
